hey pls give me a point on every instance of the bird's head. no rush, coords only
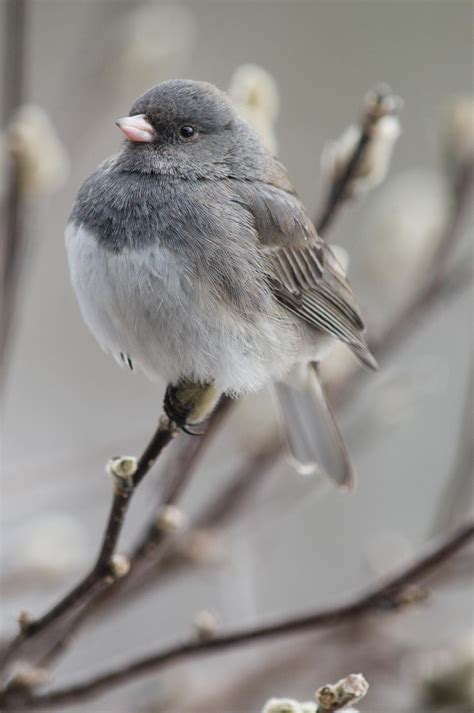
(180, 126)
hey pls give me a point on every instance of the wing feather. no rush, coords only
(303, 271)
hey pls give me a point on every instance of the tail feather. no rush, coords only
(314, 440)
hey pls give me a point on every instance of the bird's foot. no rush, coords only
(189, 406)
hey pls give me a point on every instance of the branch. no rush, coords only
(439, 278)
(349, 159)
(150, 546)
(387, 596)
(104, 571)
(12, 240)
(147, 563)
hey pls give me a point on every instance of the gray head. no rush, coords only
(184, 127)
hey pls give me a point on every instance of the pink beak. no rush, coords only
(137, 128)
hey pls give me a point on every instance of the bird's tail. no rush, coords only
(314, 440)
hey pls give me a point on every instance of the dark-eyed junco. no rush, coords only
(194, 260)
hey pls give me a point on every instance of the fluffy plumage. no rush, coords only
(196, 261)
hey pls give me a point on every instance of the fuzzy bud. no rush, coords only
(171, 519)
(122, 468)
(206, 625)
(381, 129)
(255, 94)
(202, 547)
(24, 619)
(458, 133)
(343, 693)
(27, 677)
(42, 159)
(119, 566)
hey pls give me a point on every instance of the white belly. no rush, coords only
(149, 306)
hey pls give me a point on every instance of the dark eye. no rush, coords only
(186, 131)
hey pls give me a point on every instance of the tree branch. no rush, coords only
(12, 241)
(388, 595)
(103, 573)
(378, 104)
(438, 277)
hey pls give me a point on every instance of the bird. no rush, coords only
(194, 260)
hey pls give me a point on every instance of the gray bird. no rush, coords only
(194, 260)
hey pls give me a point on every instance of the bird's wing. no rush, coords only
(304, 273)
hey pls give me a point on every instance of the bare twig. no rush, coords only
(12, 239)
(102, 573)
(147, 561)
(438, 277)
(148, 549)
(379, 104)
(184, 466)
(386, 596)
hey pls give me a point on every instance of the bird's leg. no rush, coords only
(189, 404)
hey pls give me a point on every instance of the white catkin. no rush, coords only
(255, 94)
(43, 160)
(404, 226)
(457, 131)
(373, 168)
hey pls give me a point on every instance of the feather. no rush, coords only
(302, 270)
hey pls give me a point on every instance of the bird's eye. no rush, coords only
(186, 131)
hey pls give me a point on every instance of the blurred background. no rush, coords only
(67, 407)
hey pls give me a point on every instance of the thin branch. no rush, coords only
(12, 240)
(260, 462)
(148, 549)
(438, 277)
(386, 596)
(378, 104)
(147, 561)
(102, 573)
(184, 467)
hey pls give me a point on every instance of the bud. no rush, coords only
(378, 133)
(24, 619)
(171, 519)
(122, 468)
(202, 547)
(256, 98)
(458, 133)
(42, 158)
(346, 691)
(27, 677)
(119, 566)
(206, 624)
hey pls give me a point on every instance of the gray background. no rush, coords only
(68, 407)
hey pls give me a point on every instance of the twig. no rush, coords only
(438, 276)
(388, 595)
(378, 104)
(220, 510)
(12, 241)
(147, 549)
(144, 561)
(260, 462)
(102, 573)
(184, 467)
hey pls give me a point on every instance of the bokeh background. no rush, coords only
(67, 406)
